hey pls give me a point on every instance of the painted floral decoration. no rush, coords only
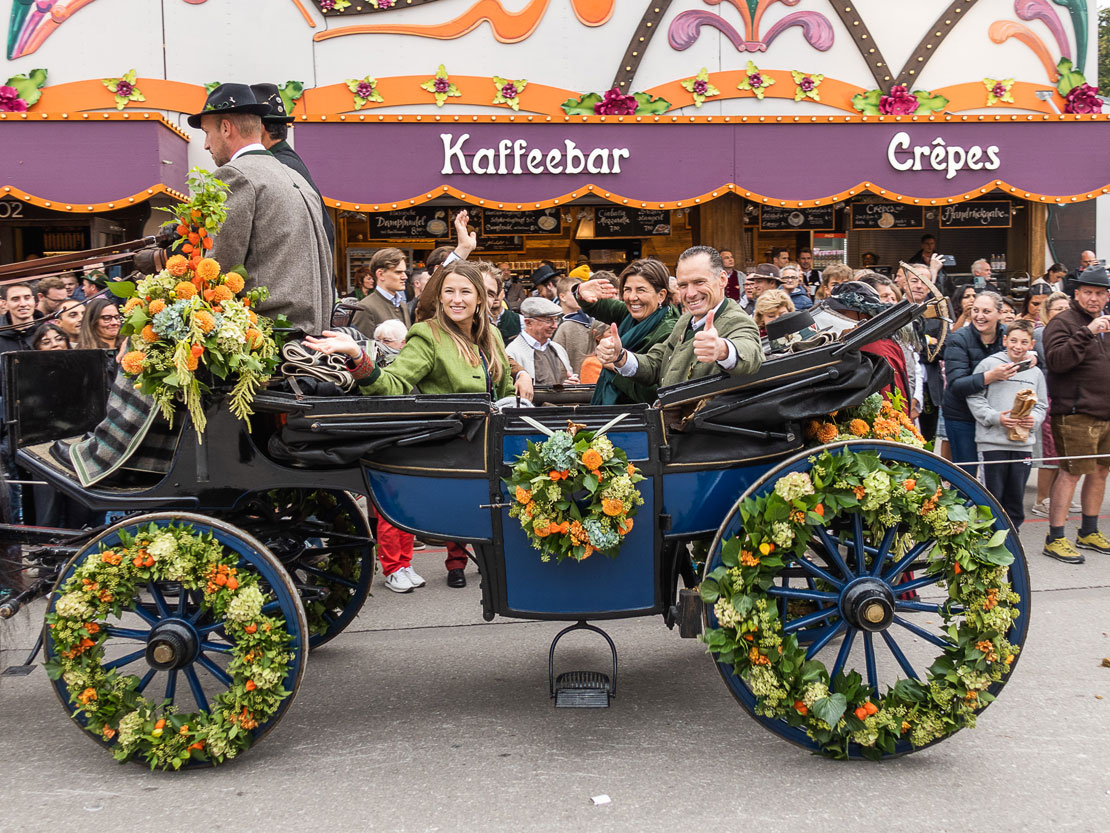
(615, 103)
(1079, 96)
(365, 90)
(335, 5)
(291, 92)
(699, 87)
(806, 84)
(508, 91)
(999, 90)
(21, 91)
(124, 89)
(383, 4)
(440, 86)
(10, 102)
(755, 81)
(898, 102)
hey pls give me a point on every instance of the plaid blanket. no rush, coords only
(132, 436)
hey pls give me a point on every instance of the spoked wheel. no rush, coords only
(860, 617)
(175, 639)
(325, 544)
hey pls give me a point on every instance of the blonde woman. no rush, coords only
(769, 306)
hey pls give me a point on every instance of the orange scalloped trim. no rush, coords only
(731, 187)
(88, 208)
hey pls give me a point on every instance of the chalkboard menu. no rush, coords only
(500, 244)
(818, 218)
(417, 223)
(984, 214)
(502, 223)
(618, 221)
(887, 215)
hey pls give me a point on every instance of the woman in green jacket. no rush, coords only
(457, 350)
(644, 317)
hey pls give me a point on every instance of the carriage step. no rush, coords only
(582, 690)
(17, 671)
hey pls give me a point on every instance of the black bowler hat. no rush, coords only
(542, 275)
(230, 98)
(1094, 275)
(268, 94)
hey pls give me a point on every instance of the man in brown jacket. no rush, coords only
(1078, 357)
(387, 301)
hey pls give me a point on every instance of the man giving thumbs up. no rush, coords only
(713, 335)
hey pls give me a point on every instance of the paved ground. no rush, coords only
(421, 717)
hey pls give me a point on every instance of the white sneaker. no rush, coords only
(1041, 509)
(398, 582)
(414, 577)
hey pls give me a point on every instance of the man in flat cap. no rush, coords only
(274, 225)
(275, 138)
(542, 359)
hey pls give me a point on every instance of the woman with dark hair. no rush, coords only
(1033, 305)
(50, 337)
(100, 327)
(364, 282)
(644, 317)
(961, 302)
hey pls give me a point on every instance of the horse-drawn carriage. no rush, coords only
(151, 633)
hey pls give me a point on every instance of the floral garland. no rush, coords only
(574, 494)
(21, 91)
(699, 87)
(875, 419)
(837, 712)
(755, 81)
(365, 91)
(190, 312)
(616, 103)
(441, 86)
(113, 708)
(123, 89)
(508, 91)
(1079, 96)
(900, 101)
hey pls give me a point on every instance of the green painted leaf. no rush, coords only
(211, 85)
(929, 103)
(583, 106)
(290, 92)
(1069, 77)
(29, 85)
(649, 105)
(868, 102)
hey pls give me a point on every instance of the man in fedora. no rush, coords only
(274, 225)
(543, 282)
(1077, 355)
(275, 138)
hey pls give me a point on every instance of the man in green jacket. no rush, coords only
(713, 335)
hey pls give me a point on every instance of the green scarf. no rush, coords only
(634, 336)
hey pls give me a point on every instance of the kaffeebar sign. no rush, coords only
(658, 166)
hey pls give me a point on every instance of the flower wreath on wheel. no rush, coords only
(114, 710)
(837, 712)
(575, 493)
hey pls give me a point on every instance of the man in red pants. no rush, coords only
(395, 554)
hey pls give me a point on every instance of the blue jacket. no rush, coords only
(962, 353)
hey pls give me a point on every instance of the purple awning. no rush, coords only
(79, 162)
(370, 164)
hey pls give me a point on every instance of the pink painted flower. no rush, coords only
(124, 88)
(509, 90)
(442, 85)
(807, 85)
(900, 102)
(10, 102)
(1083, 99)
(615, 103)
(364, 90)
(700, 87)
(327, 5)
(755, 79)
(999, 90)
(385, 4)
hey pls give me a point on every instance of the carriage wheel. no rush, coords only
(156, 652)
(325, 543)
(832, 600)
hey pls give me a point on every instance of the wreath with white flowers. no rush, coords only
(838, 713)
(113, 709)
(574, 493)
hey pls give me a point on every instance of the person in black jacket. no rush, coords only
(1077, 353)
(964, 350)
(275, 136)
(18, 324)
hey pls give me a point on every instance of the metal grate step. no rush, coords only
(582, 690)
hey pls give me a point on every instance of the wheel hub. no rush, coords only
(868, 604)
(172, 644)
